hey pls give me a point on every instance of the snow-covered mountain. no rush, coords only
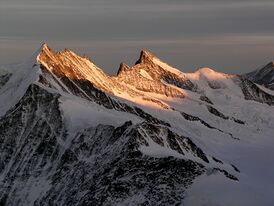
(151, 135)
(263, 76)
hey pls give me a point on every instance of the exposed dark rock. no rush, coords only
(263, 76)
(206, 99)
(228, 175)
(214, 111)
(235, 168)
(194, 118)
(217, 160)
(123, 67)
(217, 113)
(252, 92)
(171, 140)
(197, 150)
(101, 165)
(145, 57)
(4, 79)
(238, 121)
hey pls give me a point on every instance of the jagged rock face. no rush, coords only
(105, 167)
(67, 64)
(4, 79)
(29, 134)
(68, 72)
(135, 78)
(205, 99)
(252, 92)
(123, 67)
(264, 76)
(217, 113)
(43, 164)
(197, 119)
(101, 165)
(147, 76)
(35, 117)
(65, 68)
(85, 89)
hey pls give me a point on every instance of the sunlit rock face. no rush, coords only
(148, 76)
(74, 74)
(71, 73)
(68, 64)
(72, 135)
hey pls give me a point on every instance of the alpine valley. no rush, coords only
(151, 135)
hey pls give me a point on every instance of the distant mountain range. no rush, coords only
(151, 135)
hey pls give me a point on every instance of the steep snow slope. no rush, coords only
(70, 134)
(15, 80)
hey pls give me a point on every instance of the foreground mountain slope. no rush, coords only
(42, 163)
(72, 135)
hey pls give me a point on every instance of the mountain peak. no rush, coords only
(207, 71)
(68, 64)
(270, 64)
(145, 57)
(45, 47)
(44, 51)
(267, 68)
(123, 67)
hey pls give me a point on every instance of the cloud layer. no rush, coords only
(231, 36)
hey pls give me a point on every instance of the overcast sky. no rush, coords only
(232, 36)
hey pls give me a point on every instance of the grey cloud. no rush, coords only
(232, 36)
